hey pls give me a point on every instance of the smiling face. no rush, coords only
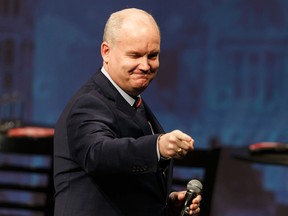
(132, 57)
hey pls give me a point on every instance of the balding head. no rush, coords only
(127, 18)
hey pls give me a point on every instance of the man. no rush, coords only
(108, 159)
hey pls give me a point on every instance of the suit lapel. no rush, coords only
(157, 128)
(121, 104)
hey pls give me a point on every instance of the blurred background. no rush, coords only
(223, 78)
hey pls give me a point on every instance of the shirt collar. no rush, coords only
(126, 96)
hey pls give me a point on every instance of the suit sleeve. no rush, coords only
(103, 140)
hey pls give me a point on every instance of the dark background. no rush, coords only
(223, 75)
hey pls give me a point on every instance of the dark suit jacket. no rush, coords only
(105, 159)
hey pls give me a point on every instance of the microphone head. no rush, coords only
(194, 185)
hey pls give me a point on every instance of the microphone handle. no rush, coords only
(190, 195)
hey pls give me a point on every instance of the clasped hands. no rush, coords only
(175, 144)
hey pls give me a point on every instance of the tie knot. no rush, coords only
(137, 102)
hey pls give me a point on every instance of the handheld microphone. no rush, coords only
(194, 187)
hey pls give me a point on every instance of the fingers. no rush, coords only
(195, 206)
(180, 153)
(194, 209)
(175, 196)
(182, 136)
(175, 144)
(184, 141)
(194, 212)
(179, 197)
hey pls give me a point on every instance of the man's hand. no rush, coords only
(175, 144)
(176, 203)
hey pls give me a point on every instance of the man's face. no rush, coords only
(133, 60)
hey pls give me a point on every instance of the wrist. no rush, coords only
(158, 146)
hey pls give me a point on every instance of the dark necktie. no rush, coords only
(140, 109)
(138, 105)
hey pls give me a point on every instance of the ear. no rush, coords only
(105, 50)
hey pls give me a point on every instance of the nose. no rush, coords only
(144, 64)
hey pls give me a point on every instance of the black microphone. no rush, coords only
(194, 187)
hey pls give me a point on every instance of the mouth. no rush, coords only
(141, 75)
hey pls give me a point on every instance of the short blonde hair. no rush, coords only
(116, 19)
